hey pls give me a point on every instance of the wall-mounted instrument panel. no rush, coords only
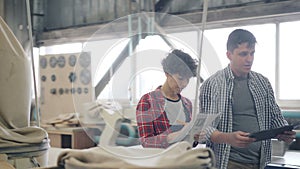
(65, 83)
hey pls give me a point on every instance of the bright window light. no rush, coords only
(59, 49)
(289, 61)
(264, 58)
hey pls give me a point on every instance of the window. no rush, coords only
(289, 60)
(286, 90)
(149, 52)
(64, 48)
(264, 58)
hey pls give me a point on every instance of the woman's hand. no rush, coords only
(178, 135)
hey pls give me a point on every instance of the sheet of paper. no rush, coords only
(198, 125)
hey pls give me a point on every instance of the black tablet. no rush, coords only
(272, 133)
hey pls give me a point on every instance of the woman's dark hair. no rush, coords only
(238, 37)
(180, 62)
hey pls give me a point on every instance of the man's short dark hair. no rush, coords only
(180, 62)
(238, 37)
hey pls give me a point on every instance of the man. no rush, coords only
(246, 102)
(161, 114)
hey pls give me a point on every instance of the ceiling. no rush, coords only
(57, 21)
(64, 21)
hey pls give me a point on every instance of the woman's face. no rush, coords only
(177, 83)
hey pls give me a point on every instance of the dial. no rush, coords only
(43, 78)
(61, 61)
(66, 90)
(43, 62)
(53, 78)
(73, 90)
(61, 91)
(53, 61)
(72, 60)
(86, 90)
(85, 59)
(85, 76)
(79, 90)
(53, 91)
(72, 77)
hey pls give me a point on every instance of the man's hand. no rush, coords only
(239, 139)
(287, 136)
(236, 139)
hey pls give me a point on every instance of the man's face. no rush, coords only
(241, 59)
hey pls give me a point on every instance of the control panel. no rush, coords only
(65, 83)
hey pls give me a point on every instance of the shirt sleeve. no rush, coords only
(145, 115)
(207, 105)
(276, 114)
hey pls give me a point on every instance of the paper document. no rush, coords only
(199, 124)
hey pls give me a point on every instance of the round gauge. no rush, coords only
(72, 77)
(61, 91)
(85, 59)
(85, 76)
(53, 78)
(73, 90)
(86, 90)
(53, 91)
(43, 78)
(53, 61)
(79, 90)
(43, 62)
(61, 61)
(72, 60)
(66, 90)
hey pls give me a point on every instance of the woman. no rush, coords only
(161, 114)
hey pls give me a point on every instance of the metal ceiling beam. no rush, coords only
(116, 64)
(246, 15)
(216, 18)
(163, 6)
(223, 16)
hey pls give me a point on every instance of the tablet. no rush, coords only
(272, 133)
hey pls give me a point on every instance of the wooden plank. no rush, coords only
(75, 138)
(55, 139)
(81, 140)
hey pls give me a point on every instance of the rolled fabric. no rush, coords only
(178, 156)
(15, 95)
(15, 80)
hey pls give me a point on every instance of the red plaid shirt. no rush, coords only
(153, 124)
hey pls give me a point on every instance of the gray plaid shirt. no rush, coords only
(216, 97)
